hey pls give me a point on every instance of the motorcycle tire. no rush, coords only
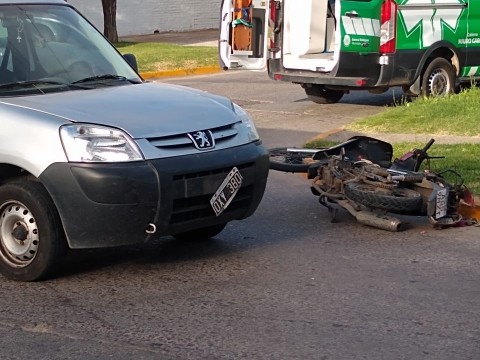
(398, 200)
(282, 159)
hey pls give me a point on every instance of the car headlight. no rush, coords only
(247, 121)
(93, 143)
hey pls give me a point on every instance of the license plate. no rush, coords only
(227, 191)
(441, 203)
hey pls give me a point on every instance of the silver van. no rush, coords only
(93, 156)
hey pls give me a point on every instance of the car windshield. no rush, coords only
(46, 48)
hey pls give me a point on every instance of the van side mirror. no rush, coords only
(132, 61)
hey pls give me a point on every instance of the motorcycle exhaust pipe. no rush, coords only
(379, 221)
(369, 218)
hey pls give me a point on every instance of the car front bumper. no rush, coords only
(103, 205)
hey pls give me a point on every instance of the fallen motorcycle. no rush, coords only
(359, 176)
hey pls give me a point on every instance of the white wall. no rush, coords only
(146, 16)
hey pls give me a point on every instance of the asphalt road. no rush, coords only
(284, 284)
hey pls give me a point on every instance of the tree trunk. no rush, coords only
(110, 20)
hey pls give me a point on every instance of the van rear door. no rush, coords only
(360, 25)
(243, 34)
(368, 33)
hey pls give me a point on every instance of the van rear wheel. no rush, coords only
(320, 95)
(438, 78)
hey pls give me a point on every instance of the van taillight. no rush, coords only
(388, 20)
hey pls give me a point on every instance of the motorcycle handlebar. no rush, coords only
(422, 154)
(428, 145)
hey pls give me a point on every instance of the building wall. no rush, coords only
(153, 15)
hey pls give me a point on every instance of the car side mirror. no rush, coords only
(131, 60)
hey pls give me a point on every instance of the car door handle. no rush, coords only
(352, 14)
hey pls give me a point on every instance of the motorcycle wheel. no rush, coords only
(283, 159)
(397, 200)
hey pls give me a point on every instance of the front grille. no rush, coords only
(206, 173)
(193, 191)
(220, 134)
(185, 210)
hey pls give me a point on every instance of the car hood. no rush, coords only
(143, 110)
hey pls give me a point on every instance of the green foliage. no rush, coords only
(450, 115)
(320, 143)
(162, 56)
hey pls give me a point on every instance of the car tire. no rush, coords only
(32, 241)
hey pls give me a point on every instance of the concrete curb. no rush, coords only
(149, 75)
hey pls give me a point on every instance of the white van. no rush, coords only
(330, 47)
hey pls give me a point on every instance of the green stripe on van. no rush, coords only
(471, 71)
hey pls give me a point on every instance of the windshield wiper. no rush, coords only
(30, 83)
(35, 83)
(99, 78)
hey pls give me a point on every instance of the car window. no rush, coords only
(53, 43)
(5, 57)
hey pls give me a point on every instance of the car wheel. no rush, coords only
(31, 237)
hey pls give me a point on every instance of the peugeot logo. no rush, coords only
(203, 140)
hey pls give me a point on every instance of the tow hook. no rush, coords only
(151, 229)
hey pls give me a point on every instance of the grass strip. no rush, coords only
(450, 115)
(162, 56)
